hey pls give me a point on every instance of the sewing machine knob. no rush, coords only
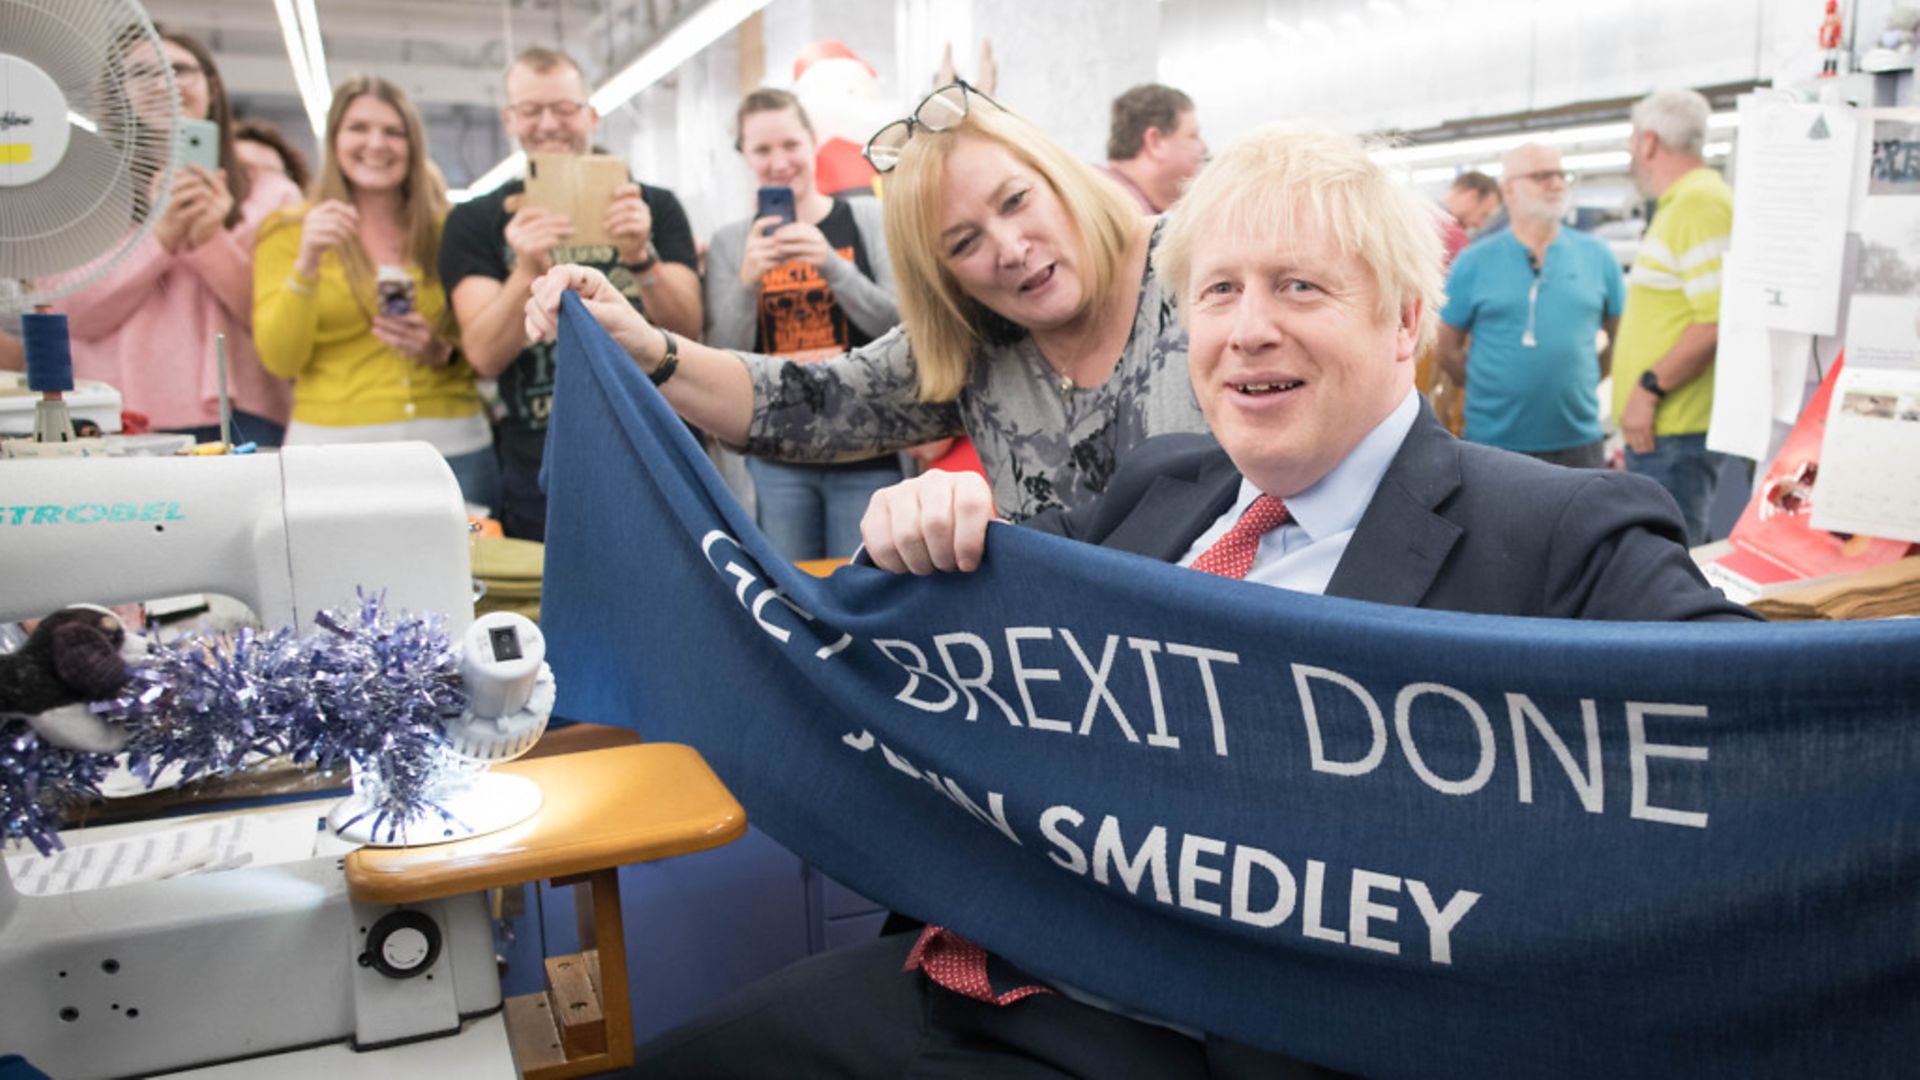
(402, 944)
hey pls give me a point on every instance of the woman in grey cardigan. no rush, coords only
(806, 289)
(1032, 321)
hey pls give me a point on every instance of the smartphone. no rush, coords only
(777, 202)
(197, 142)
(393, 289)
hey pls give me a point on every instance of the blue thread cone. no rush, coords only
(49, 362)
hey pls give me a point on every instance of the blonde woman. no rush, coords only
(348, 304)
(1032, 321)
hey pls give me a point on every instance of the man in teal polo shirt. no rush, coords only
(1523, 310)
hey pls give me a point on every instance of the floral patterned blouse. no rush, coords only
(1044, 444)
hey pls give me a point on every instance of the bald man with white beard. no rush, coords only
(1524, 309)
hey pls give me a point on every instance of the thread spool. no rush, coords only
(49, 361)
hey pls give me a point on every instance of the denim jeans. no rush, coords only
(814, 513)
(522, 510)
(247, 427)
(479, 476)
(1688, 470)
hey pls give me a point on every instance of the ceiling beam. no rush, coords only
(1721, 96)
(426, 84)
(451, 24)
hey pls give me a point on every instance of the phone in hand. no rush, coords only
(775, 201)
(197, 142)
(393, 289)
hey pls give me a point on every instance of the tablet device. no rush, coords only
(579, 186)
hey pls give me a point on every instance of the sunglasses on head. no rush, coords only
(939, 111)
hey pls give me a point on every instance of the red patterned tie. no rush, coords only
(1232, 555)
(961, 966)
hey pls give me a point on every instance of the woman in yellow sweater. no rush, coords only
(370, 363)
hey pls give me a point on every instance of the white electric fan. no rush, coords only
(87, 120)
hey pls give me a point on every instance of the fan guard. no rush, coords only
(87, 117)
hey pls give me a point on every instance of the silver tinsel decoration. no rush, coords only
(363, 688)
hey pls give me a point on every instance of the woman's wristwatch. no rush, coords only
(669, 363)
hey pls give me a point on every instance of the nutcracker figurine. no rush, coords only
(1830, 41)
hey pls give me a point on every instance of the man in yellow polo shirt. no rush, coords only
(1663, 360)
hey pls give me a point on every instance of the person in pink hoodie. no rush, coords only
(146, 327)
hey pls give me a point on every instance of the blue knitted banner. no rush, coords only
(1398, 842)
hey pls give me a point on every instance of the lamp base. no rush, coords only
(492, 802)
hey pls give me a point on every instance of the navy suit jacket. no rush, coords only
(1454, 526)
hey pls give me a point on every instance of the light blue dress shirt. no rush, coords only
(1302, 554)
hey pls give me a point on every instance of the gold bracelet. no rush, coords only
(299, 286)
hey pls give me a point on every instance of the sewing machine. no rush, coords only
(288, 534)
(261, 966)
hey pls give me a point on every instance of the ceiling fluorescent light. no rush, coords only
(316, 49)
(1423, 177)
(296, 51)
(1606, 160)
(314, 98)
(1495, 145)
(490, 179)
(675, 47)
